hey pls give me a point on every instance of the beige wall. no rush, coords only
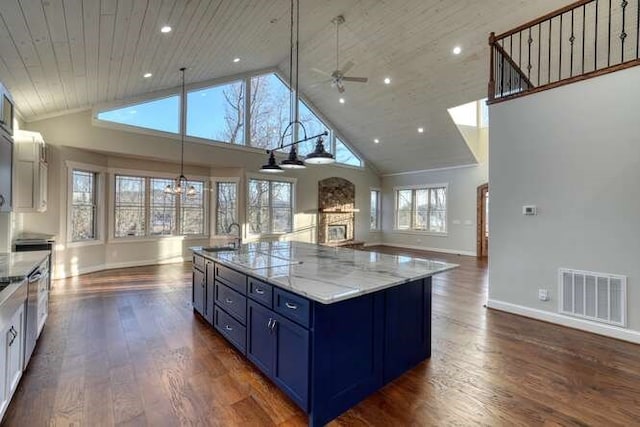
(73, 138)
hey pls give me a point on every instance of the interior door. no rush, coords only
(483, 221)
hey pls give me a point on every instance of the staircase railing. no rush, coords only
(582, 40)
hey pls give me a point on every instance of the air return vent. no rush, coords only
(600, 297)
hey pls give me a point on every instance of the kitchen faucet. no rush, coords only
(238, 240)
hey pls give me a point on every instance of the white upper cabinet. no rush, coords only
(31, 172)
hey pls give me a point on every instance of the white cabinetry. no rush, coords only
(31, 172)
(11, 356)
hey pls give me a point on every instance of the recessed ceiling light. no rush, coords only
(236, 59)
(147, 75)
(377, 141)
(420, 130)
(387, 80)
(457, 50)
(165, 29)
(341, 100)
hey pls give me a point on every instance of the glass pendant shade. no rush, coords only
(319, 156)
(293, 162)
(271, 166)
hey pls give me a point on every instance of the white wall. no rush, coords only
(461, 216)
(575, 153)
(73, 137)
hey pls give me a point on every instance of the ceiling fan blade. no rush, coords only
(355, 79)
(320, 83)
(324, 73)
(346, 67)
(340, 88)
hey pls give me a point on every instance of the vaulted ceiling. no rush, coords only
(63, 55)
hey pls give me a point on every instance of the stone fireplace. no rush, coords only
(336, 211)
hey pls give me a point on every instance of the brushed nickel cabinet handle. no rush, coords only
(228, 301)
(290, 306)
(259, 291)
(228, 328)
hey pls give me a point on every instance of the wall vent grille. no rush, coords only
(599, 297)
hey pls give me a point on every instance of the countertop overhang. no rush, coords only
(325, 274)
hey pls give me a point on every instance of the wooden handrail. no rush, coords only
(543, 18)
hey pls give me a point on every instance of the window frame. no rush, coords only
(214, 202)
(148, 175)
(183, 111)
(99, 176)
(378, 225)
(413, 189)
(270, 233)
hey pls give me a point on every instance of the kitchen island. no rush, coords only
(328, 326)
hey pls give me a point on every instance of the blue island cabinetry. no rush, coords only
(325, 357)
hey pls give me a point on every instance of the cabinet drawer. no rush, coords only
(235, 280)
(292, 306)
(260, 291)
(231, 329)
(232, 302)
(198, 262)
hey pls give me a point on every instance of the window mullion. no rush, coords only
(177, 205)
(270, 231)
(247, 111)
(147, 206)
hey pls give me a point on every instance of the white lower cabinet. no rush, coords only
(11, 356)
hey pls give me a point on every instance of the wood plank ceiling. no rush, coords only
(64, 55)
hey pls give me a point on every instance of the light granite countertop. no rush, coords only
(325, 274)
(16, 266)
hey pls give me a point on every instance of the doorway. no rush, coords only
(483, 221)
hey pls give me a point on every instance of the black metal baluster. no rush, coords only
(584, 25)
(549, 65)
(623, 34)
(539, 49)
(501, 75)
(609, 38)
(638, 32)
(595, 41)
(572, 39)
(560, 51)
(510, 56)
(520, 50)
(529, 41)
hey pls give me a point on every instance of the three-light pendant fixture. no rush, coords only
(319, 156)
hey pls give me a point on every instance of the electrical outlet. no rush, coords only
(543, 295)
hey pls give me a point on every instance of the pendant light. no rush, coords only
(181, 181)
(293, 161)
(319, 156)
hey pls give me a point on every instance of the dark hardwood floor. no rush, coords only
(123, 347)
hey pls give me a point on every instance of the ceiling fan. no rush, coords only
(338, 77)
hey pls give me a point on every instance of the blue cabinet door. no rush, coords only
(291, 370)
(199, 291)
(261, 337)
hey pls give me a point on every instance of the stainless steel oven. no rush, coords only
(37, 282)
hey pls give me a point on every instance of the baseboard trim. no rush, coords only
(115, 265)
(424, 248)
(570, 322)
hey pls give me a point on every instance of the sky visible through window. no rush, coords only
(217, 114)
(159, 114)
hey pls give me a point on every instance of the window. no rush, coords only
(84, 217)
(313, 126)
(159, 114)
(269, 111)
(270, 207)
(217, 113)
(345, 155)
(375, 210)
(129, 206)
(422, 209)
(226, 205)
(142, 208)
